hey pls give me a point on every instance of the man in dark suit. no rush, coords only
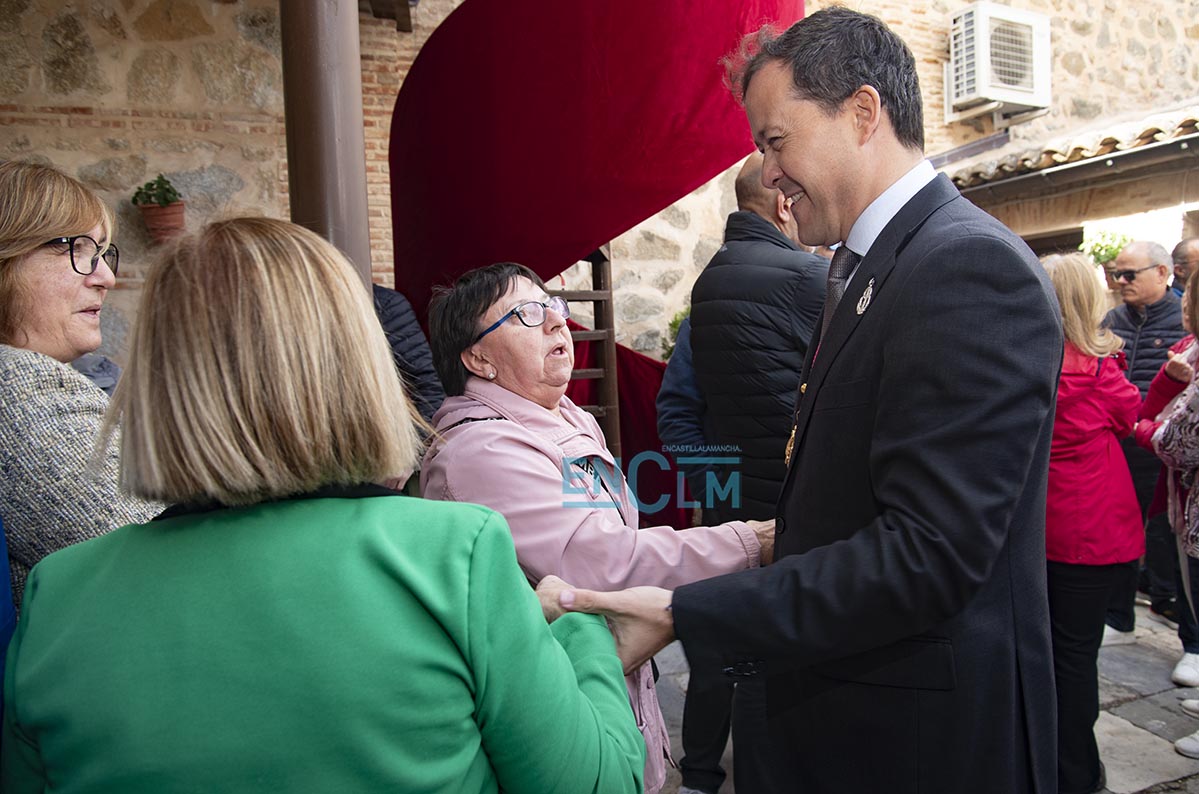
(903, 630)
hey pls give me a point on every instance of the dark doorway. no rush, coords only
(1063, 241)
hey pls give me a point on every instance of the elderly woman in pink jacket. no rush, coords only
(509, 438)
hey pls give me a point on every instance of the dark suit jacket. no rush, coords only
(904, 632)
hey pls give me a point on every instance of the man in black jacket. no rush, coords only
(753, 312)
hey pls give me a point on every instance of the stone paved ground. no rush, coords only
(1139, 721)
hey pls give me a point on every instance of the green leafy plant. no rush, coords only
(1104, 246)
(672, 333)
(158, 191)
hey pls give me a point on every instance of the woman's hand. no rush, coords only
(1178, 368)
(548, 590)
(765, 532)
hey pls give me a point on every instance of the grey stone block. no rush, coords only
(1139, 667)
(1160, 714)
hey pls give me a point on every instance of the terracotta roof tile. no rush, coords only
(1076, 146)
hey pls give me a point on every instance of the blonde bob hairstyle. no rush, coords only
(258, 370)
(38, 203)
(1084, 305)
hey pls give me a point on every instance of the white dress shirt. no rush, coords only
(875, 217)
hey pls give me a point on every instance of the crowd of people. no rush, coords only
(219, 583)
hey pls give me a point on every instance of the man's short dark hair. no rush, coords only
(832, 54)
(1180, 252)
(456, 314)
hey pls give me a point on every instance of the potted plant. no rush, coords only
(162, 208)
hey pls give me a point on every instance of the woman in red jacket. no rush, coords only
(1093, 525)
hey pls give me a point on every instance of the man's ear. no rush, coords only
(866, 107)
(476, 362)
(782, 207)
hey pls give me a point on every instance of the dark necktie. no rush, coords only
(839, 271)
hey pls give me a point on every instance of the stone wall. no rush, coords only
(117, 91)
(655, 264)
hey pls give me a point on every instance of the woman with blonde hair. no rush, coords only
(57, 263)
(1093, 526)
(288, 625)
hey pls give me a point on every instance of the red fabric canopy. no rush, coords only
(536, 130)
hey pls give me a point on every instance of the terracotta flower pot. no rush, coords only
(163, 223)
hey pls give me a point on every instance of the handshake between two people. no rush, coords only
(641, 619)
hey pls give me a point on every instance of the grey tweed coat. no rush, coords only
(50, 497)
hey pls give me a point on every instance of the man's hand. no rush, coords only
(640, 617)
(765, 532)
(1178, 368)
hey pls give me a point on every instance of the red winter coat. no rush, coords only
(1162, 390)
(1092, 516)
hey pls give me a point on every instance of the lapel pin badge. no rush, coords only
(864, 301)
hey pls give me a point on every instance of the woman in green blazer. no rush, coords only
(290, 626)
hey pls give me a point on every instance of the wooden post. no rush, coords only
(322, 101)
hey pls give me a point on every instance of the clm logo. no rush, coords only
(592, 478)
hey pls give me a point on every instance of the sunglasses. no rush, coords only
(1129, 276)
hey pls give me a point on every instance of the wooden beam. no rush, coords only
(399, 10)
(384, 9)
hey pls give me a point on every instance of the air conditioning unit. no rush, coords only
(998, 63)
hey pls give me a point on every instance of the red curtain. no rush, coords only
(536, 130)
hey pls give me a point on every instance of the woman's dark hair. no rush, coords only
(456, 312)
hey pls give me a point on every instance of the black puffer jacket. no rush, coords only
(410, 349)
(1147, 336)
(753, 311)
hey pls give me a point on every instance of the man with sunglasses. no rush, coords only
(1149, 322)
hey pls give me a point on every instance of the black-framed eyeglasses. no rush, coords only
(1129, 275)
(86, 253)
(530, 313)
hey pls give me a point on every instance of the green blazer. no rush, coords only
(363, 642)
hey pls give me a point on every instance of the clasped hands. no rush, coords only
(640, 617)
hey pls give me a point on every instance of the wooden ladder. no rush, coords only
(607, 411)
